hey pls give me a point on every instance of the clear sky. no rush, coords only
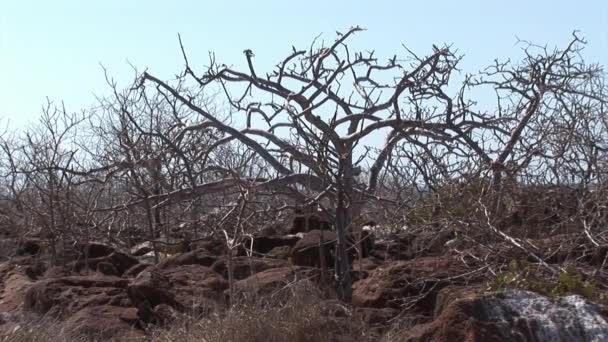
(54, 48)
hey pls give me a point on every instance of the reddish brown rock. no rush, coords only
(281, 252)
(68, 295)
(417, 242)
(189, 288)
(104, 323)
(450, 294)
(313, 245)
(149, 289)
(264, 244)
(164, 315)
(393, 283)
(273, 280)
(213, 246)
(243, 267)
(12, 291)
(362, 268)
(120, 262)
(200, 257)
(29, 247)
(94, 250)
(377, 318)
(141, 249)
(136, 270)
(196, 285)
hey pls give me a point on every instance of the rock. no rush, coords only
(68, 295)
(29, 247)
(307, 251)
(377, 318)
(215, 247)
(136, 270)
(94, 250)
(150, 289)
(364, 267)
(142, 249)
(197, 288)
(7, 247)
(309, 221)
(197, 257)
(186, 288)
(393, 283)
(281, 252)
(105, 322)
(107, 269)
(59, 272)
(451, 293)
(420, 242)
(273, 280)
(243, 267)
(515, 316)
(12, 291)
(120, 261)
(264, 244)
(164, 315)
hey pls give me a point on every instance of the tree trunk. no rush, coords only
(343, 218)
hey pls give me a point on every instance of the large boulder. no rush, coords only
(136, 270)
(105, 323)
(29, 247)
(196, 287)
(395, 284)
(243, 267)
(94, 250)
(200, 257)
(114, 263)
(12, 291)
(518, 316)
(316, 248)
(272, 282)
(264, 244)
(68, 295)
(142, 249)
(186, 288)
(362, 268)
(214, 246)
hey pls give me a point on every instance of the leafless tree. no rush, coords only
(307, 118)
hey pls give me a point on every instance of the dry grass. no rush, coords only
(296, 321)
(33, 331)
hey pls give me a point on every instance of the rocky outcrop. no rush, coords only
(66, 296)
(517, 316)
(15, 281)
(264, 244)
(186, 288)
(243, 267)
(197, 257)
(316, 248)
(104, 323)
(390, 284)
(275, 280)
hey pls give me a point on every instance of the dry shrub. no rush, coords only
(455, 200)
(538, 211)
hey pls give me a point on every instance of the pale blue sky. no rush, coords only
(54, 48)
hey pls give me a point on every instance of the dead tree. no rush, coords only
(310, 117)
